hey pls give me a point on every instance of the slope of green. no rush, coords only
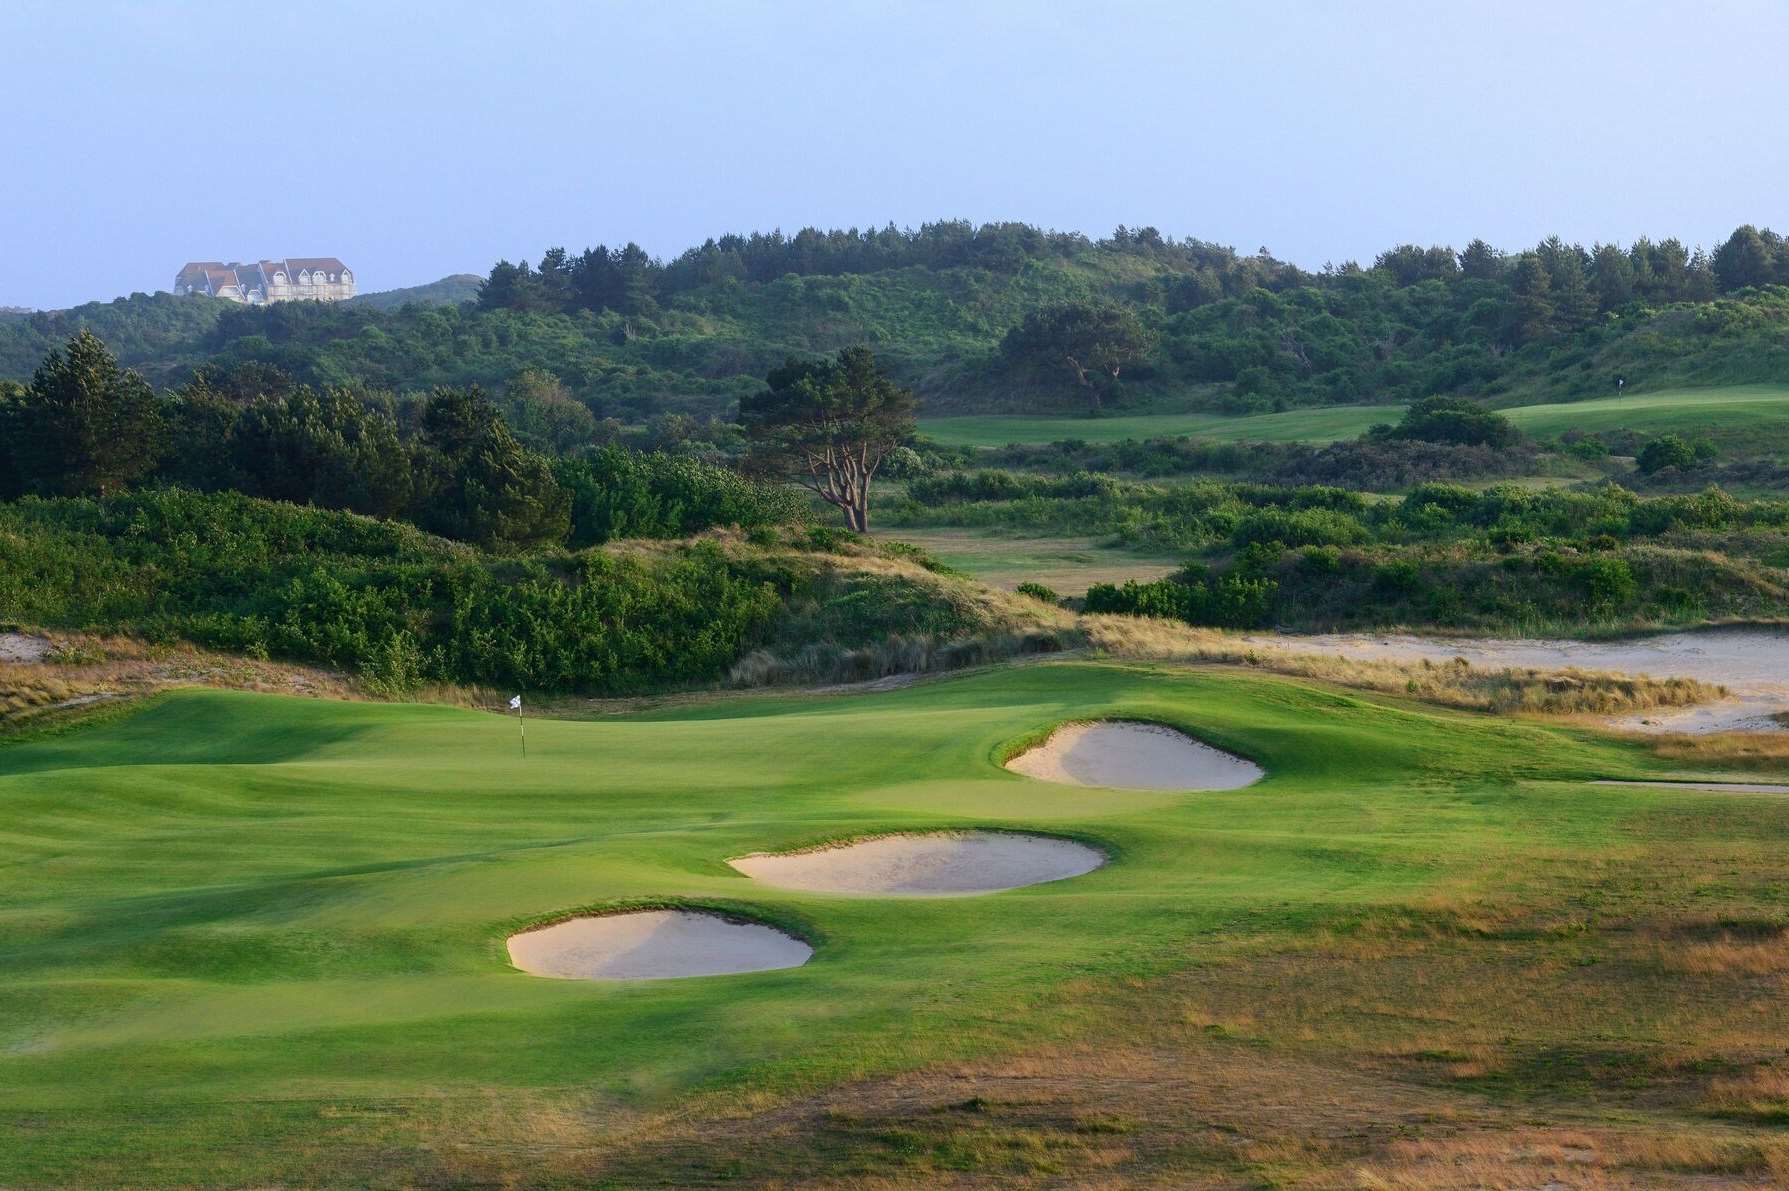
(1729, 411)
(254, 940)
(1300, 425)
(448, 291)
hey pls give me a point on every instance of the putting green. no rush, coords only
(254, 939)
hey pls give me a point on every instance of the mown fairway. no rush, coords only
(1298, 425)
(1727, 411)
(1066, 565)
(248, 939)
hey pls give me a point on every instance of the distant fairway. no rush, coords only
(1725, 411)
(251, 940)
(1299, 425)
(1066, 565)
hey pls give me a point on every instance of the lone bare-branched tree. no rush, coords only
(828, 425)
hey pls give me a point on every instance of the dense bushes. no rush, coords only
(616, 493)
(344, 591)
(1231, 601)
(1370, 464)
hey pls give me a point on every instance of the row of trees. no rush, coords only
(1582, 280)
(448, 463)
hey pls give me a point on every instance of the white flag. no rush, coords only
(515, 703)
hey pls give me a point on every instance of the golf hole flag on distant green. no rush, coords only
(515, 705)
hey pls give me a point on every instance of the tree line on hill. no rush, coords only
(1010, 318)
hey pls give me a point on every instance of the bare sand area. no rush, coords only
(1752, 663)
(1718, 787)
(1125, 755)
(942, 862)
(23, 647)
(654, 945)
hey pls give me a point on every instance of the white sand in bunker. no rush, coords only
(654, 945)
(943, 862)
(1124, 755)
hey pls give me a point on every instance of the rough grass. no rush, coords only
(81, 670)
(869, 612)
(1455, 684)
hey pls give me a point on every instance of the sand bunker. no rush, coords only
(1124, 755)
(934, 863)
(654, 945)
(1752, 663)
(1718, 787)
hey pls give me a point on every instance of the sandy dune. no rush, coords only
(1125, 755)
(23, 647)
(654, 945)
(932, 863)
(1752, 663)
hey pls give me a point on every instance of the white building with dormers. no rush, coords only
(312, 278)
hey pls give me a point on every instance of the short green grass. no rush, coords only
(1066, 565)
(1328, 424)
(1728, 410)
(255, 940)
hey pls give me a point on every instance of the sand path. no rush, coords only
(933, 863)
(654, 945)
(1718, 787)
(1123, 755)
(23, 647)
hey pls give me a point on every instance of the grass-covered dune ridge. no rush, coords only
(401, 608)
(285, 918)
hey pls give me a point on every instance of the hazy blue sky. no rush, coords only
(419, 139)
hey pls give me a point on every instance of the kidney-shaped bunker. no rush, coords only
(937, 862)
(1127, 755)
(654, 945)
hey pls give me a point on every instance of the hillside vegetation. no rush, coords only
(1009, 318)
(399, 608)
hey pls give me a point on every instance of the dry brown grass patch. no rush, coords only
(1748, 750)
(1454, 684)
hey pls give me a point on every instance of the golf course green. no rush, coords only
(260, 940)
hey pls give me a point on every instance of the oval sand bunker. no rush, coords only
(1125, 755)
(654, 945)
(937, 862)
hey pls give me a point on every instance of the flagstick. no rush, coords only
(523, 728)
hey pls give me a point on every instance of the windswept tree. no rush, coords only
(1092, 342)
(828, 425)
(84, 424)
